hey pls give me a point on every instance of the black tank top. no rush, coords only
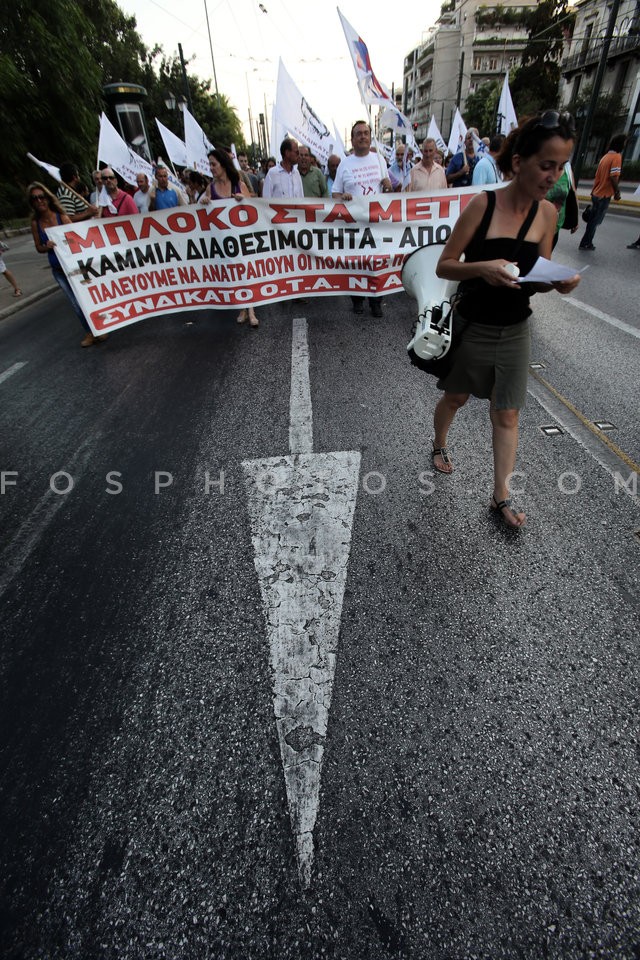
(498, 306)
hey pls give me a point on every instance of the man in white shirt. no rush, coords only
(427, 175)
(283, 180)
(142, 196)
(360, 175)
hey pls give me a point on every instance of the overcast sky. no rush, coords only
(248, 37)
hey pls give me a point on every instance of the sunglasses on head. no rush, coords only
(553, 119)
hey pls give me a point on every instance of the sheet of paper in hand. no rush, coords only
(546, 271)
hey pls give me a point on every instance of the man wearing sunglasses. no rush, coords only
(120, 203)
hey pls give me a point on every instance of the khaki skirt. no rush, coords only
(489, 359)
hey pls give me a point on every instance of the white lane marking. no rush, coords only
(613, 321)
(300, 413)
(301, 508)
(11, 370)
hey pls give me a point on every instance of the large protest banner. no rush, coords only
(229, 254)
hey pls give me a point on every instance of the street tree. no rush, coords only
(55, 58)
(481, 107)
(51, 85)
(536, 82)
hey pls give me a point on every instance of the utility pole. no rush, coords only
(597, 83)
(187, 92)
(215, 79)
(460, 78)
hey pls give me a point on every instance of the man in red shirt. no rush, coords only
(122, 204)
(605, 186)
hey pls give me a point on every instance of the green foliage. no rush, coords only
(13, 202)
(480, 108)
(501, 16)
(535, 84)
(608, 117)
(55, 58)
(214, 114)
(51, 86)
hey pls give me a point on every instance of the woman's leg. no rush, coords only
(14, 283)
(446, 409)
(505, 425)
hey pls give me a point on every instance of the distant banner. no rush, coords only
(229, 255)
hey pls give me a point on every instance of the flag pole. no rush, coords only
(381, 162)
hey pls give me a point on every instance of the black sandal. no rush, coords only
(497, 506)
(443, 453)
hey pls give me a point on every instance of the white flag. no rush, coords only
(458, 133)
(302, 122)
(506, 114)
(197, 144)
(371, 90)
(234, 157)
(51, 170)
(278, 133)
(433, 133)
(113, 151)
(339, 149)
(175, 147)
(393, 118)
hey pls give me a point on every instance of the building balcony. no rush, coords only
(618, 47)
(500, 36)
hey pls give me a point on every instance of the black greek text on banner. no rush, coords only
(229, 254)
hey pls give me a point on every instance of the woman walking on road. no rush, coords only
(498, 228)
(47, 212)
(17, 292)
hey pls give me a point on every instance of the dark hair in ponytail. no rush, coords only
(532, 132)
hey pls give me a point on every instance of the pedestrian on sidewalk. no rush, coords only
(605, 186)
(9, 277)
(47, 212)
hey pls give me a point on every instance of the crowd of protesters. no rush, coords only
(298, 173)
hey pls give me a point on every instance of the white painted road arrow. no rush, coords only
(301, 508)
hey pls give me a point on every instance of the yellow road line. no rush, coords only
(587, 423)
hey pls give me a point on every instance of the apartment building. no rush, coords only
(622, 71)
(470, 43)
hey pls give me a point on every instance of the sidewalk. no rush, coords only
(31, 270)
(629, 203)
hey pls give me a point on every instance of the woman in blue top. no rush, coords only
(514, 224)
(47, 212)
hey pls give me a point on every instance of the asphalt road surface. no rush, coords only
(270, 688)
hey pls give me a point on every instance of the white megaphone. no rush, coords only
(432, 336)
